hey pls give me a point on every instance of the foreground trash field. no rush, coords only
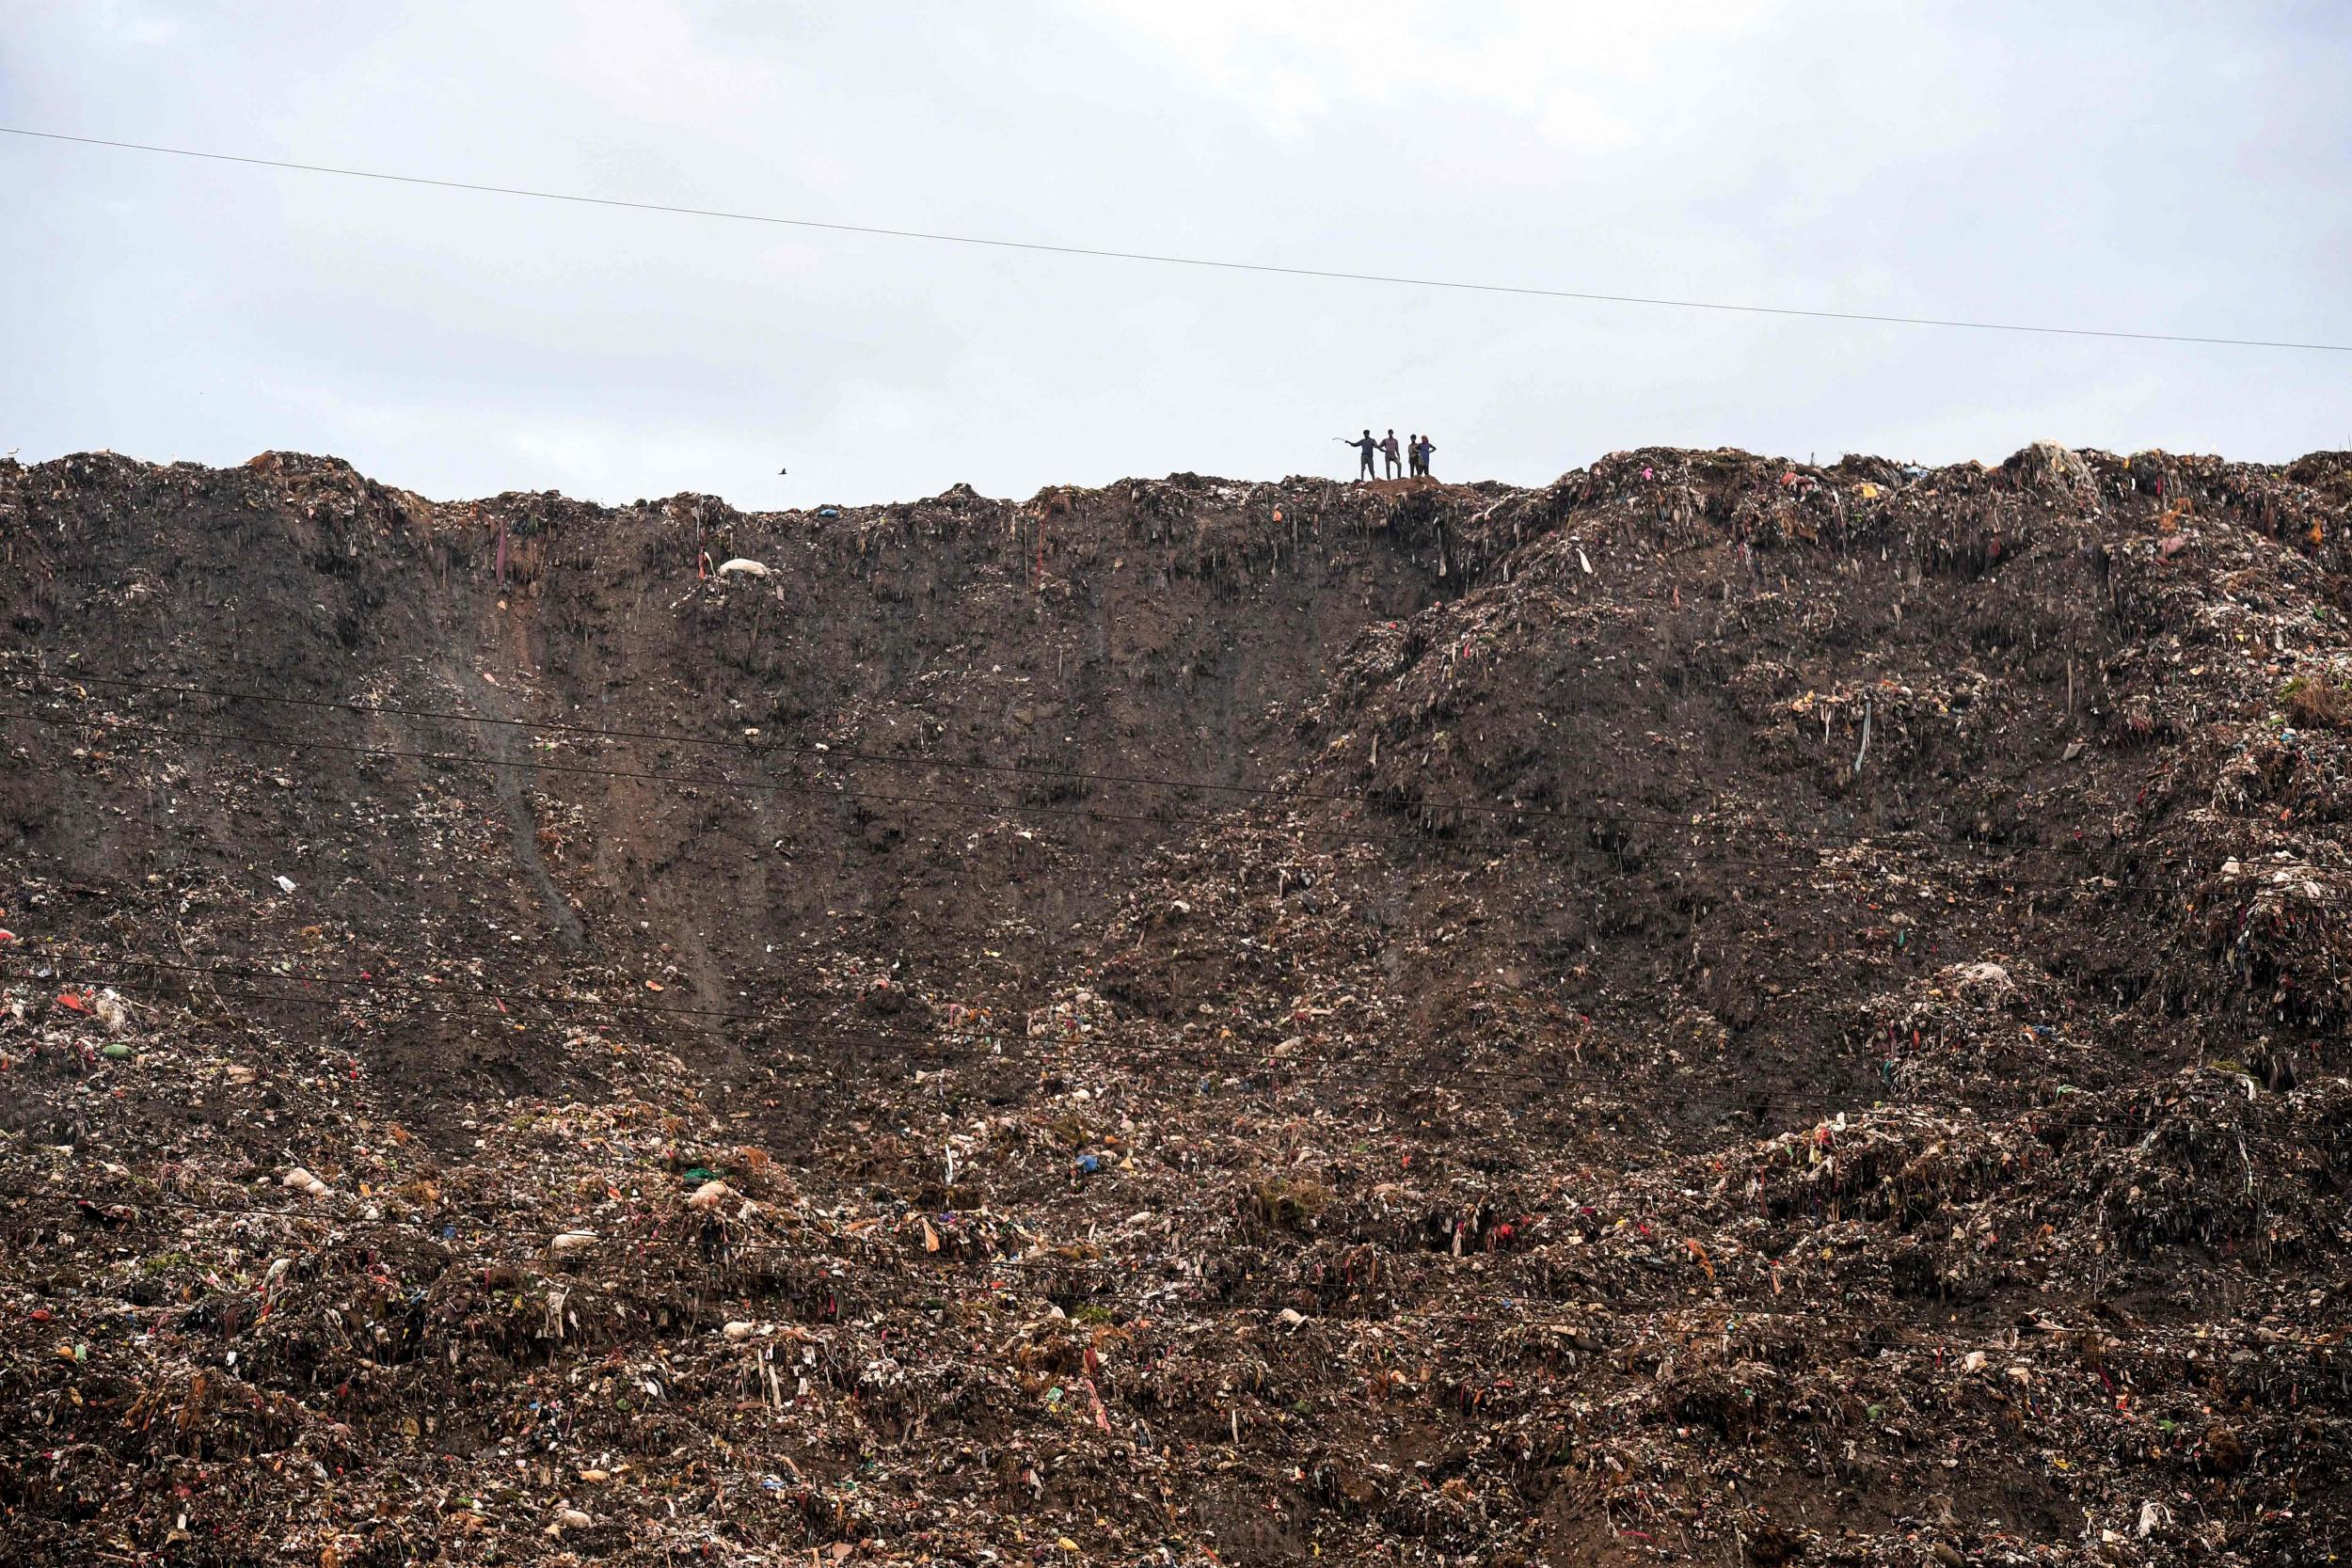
(1717, 1011)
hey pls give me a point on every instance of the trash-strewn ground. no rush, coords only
(1717, 1011)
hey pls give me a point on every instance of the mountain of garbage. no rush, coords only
(1719, 1010)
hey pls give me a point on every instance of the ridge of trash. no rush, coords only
(1717, 1010)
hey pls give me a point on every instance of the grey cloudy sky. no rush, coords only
(2156, 167)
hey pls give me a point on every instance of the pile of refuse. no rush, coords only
(1718, 1010)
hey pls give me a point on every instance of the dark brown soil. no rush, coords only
(1499, 1025)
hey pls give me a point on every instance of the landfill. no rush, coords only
(1717, 1010)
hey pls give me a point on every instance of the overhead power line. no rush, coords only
(1691, 859)
(1672, 860)
(1162, 259)
(934, 1272)
(842, 756)
(997, 1045)
(1021, 1052)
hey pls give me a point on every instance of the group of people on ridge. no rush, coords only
(1414, 455)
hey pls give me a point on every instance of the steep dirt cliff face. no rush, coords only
(1515, 1022)
(886, 750)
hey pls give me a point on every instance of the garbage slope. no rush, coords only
(1715, 1008)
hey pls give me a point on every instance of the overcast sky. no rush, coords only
(2173, 168)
